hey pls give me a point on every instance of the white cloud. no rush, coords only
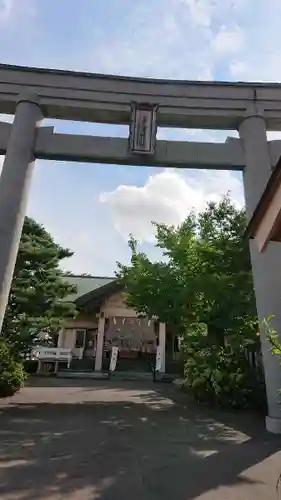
(9, 9)
(262, 66)
(167, 197)
(228, 41)
(273, 135)
(193, 39)
(92, 244)
(205, 12)
(195, 135)
(260, 61)
(6, 7)
(238, 68)
(200, 11)
(179, 39)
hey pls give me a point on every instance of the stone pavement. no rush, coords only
(86, 440)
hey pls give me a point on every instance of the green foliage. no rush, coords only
(12, 374)
(272, 336)
(229, 302)
(203, 289)
(165, 289)
(204, 278)
(273, 339)
(222, 376)
(275, 343)
(37, 299)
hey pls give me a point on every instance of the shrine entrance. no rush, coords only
(32, 94)
(136, 339)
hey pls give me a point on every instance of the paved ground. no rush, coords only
(74, 440)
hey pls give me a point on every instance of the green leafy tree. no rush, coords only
(161, 288)
(203, 289)
(205, 277)
(37, 299)
(226, 279)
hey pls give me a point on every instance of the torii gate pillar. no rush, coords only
(14, 187)
(266, 266)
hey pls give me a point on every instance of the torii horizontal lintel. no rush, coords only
(92, 149)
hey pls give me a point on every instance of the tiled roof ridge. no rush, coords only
(89, 276)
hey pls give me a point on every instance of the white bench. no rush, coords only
(51, 354)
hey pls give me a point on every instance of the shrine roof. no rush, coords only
(86, 284)
(263, 206)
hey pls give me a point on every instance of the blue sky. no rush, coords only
(92, 208)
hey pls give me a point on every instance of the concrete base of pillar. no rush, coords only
(273, 425)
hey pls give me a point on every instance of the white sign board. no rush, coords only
(158, 359)
(143, 129)
(113, 359)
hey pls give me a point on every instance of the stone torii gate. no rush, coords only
(33, 94)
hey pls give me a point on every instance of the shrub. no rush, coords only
(273, 339)
(221, 376)
(275, 343)
(12, 374)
